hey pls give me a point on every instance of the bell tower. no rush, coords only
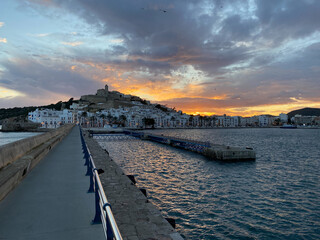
(106, 89)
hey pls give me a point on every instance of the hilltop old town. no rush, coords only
(114, 109)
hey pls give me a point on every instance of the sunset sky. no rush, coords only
(239, 57)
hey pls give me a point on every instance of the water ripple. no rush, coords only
(276, 197)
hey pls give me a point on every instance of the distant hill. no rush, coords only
(305, 112)
(23, 111)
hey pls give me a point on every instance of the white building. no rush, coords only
(66, 117)
(78, 106)
(283, 117)
(49, 118)
(227, 121)
(263, 121)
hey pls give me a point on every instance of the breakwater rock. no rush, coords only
(18, 125)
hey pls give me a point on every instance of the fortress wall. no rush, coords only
(93, 98)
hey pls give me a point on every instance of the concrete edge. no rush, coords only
(13, 151)
(152, 225)
(14, 173)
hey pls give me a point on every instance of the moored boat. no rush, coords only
(288, 126)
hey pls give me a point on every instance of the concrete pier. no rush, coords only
(226, 153)
(52, 201)
(136, 217)
(17, 159)
(210, 150)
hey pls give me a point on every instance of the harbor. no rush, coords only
(207, 199)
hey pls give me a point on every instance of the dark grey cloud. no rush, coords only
(234, 27)
(278, 83)
(200, 33)
(36, 79)
(282, 20)
(178, 36)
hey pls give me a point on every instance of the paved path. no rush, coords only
(52, 201)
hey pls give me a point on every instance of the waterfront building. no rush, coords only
(263, 121)
(317, 121)
(66, 117)
(304, 120)
(135, 116)
(49, 118)
(283, 117)
(245, 121)
(227, 121)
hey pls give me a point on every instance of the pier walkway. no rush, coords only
(52, 201)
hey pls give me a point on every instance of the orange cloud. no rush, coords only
(193, 98)
(274, 109)
(8, 93)
(3, 40)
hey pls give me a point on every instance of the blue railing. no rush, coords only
(158, 139)
(103, 212)
(134, 134)
(188, 144)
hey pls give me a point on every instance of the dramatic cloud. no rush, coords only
(202, 56)
(40, 81)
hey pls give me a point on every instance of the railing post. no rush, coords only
(86, 155)
(91, 186)
(97, 217)
(84, 148)
(89, 168)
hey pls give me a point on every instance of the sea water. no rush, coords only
(8, 137)
(275, 197)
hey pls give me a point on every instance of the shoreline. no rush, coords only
(43, 130)
(28, 131)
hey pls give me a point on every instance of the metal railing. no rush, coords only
(113, 137)
(103, 212)
(188, 144)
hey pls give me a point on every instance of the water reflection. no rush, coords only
(274, 197)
